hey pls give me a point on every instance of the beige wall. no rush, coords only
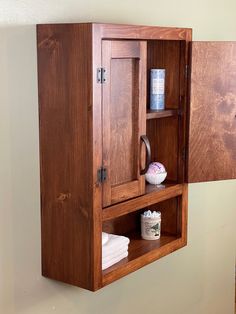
(198, 279)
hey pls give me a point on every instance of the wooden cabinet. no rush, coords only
(95, 133)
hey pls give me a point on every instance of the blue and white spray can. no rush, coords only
(157, 89)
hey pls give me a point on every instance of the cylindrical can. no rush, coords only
(157, 89)
(150, 227)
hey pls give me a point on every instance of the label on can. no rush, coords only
(157, 89)
(158, 86)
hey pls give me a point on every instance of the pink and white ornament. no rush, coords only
(156, 173)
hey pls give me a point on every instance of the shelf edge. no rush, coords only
(140, 202)
(143, 260)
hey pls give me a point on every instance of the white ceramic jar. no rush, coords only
(151, 225)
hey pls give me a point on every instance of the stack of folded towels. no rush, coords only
(114, 249)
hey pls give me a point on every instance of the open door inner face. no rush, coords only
(212, 124)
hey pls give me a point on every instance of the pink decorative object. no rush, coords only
(156, 173)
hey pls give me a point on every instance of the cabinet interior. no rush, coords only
(129, 225)
(168, 55)
(165, 128)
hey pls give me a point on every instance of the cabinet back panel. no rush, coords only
(170, 211)
(166, 54)
(130, 223)
(124, 118)
(163, 137)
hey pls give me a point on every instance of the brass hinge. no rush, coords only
(101, 75)
(102, 174)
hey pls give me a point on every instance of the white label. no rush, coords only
(158, 86)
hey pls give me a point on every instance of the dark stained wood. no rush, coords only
(143, 32)
(128, 223)
(72, 146)
(152, 114)
(212, 131)
(170, 55)
(124, 120)
(166, 55)
(125, 49)
(96, 125)
(66, 153)
(143, 252)
(154, 194)
(182, 214)
(183, 105)
(164, 139)
(169, 215)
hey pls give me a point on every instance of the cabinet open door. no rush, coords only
(123, 119)
(212, 113)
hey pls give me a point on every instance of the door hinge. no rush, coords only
(102, 174)
(101, 75)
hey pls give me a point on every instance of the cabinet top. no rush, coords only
(125, 31)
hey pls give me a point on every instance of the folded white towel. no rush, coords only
(114, 244)
(115, 254)
(114, 260)
(104, 238)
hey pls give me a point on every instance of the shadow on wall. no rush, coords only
(189, 278)
(21, 280)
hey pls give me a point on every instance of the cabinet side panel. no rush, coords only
(65, 102)
(212, 129)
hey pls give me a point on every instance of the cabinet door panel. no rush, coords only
(212, 129)
(124, 118)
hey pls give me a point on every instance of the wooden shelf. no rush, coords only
(154, 194)
(151, 114)
(141, 253)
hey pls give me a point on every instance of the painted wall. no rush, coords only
(198, 279)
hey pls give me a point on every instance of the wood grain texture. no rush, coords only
(170, 209)
(183, 108)
(163, 135)
(143, 252)
(71, 147)
(182, 215)
(168, 137)
(165, 54)
(124, 119)
(153, 195)
(66, 153)
(171, 216)
(157, 114)
(212, 132)
(96, 125)
(143, 32)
